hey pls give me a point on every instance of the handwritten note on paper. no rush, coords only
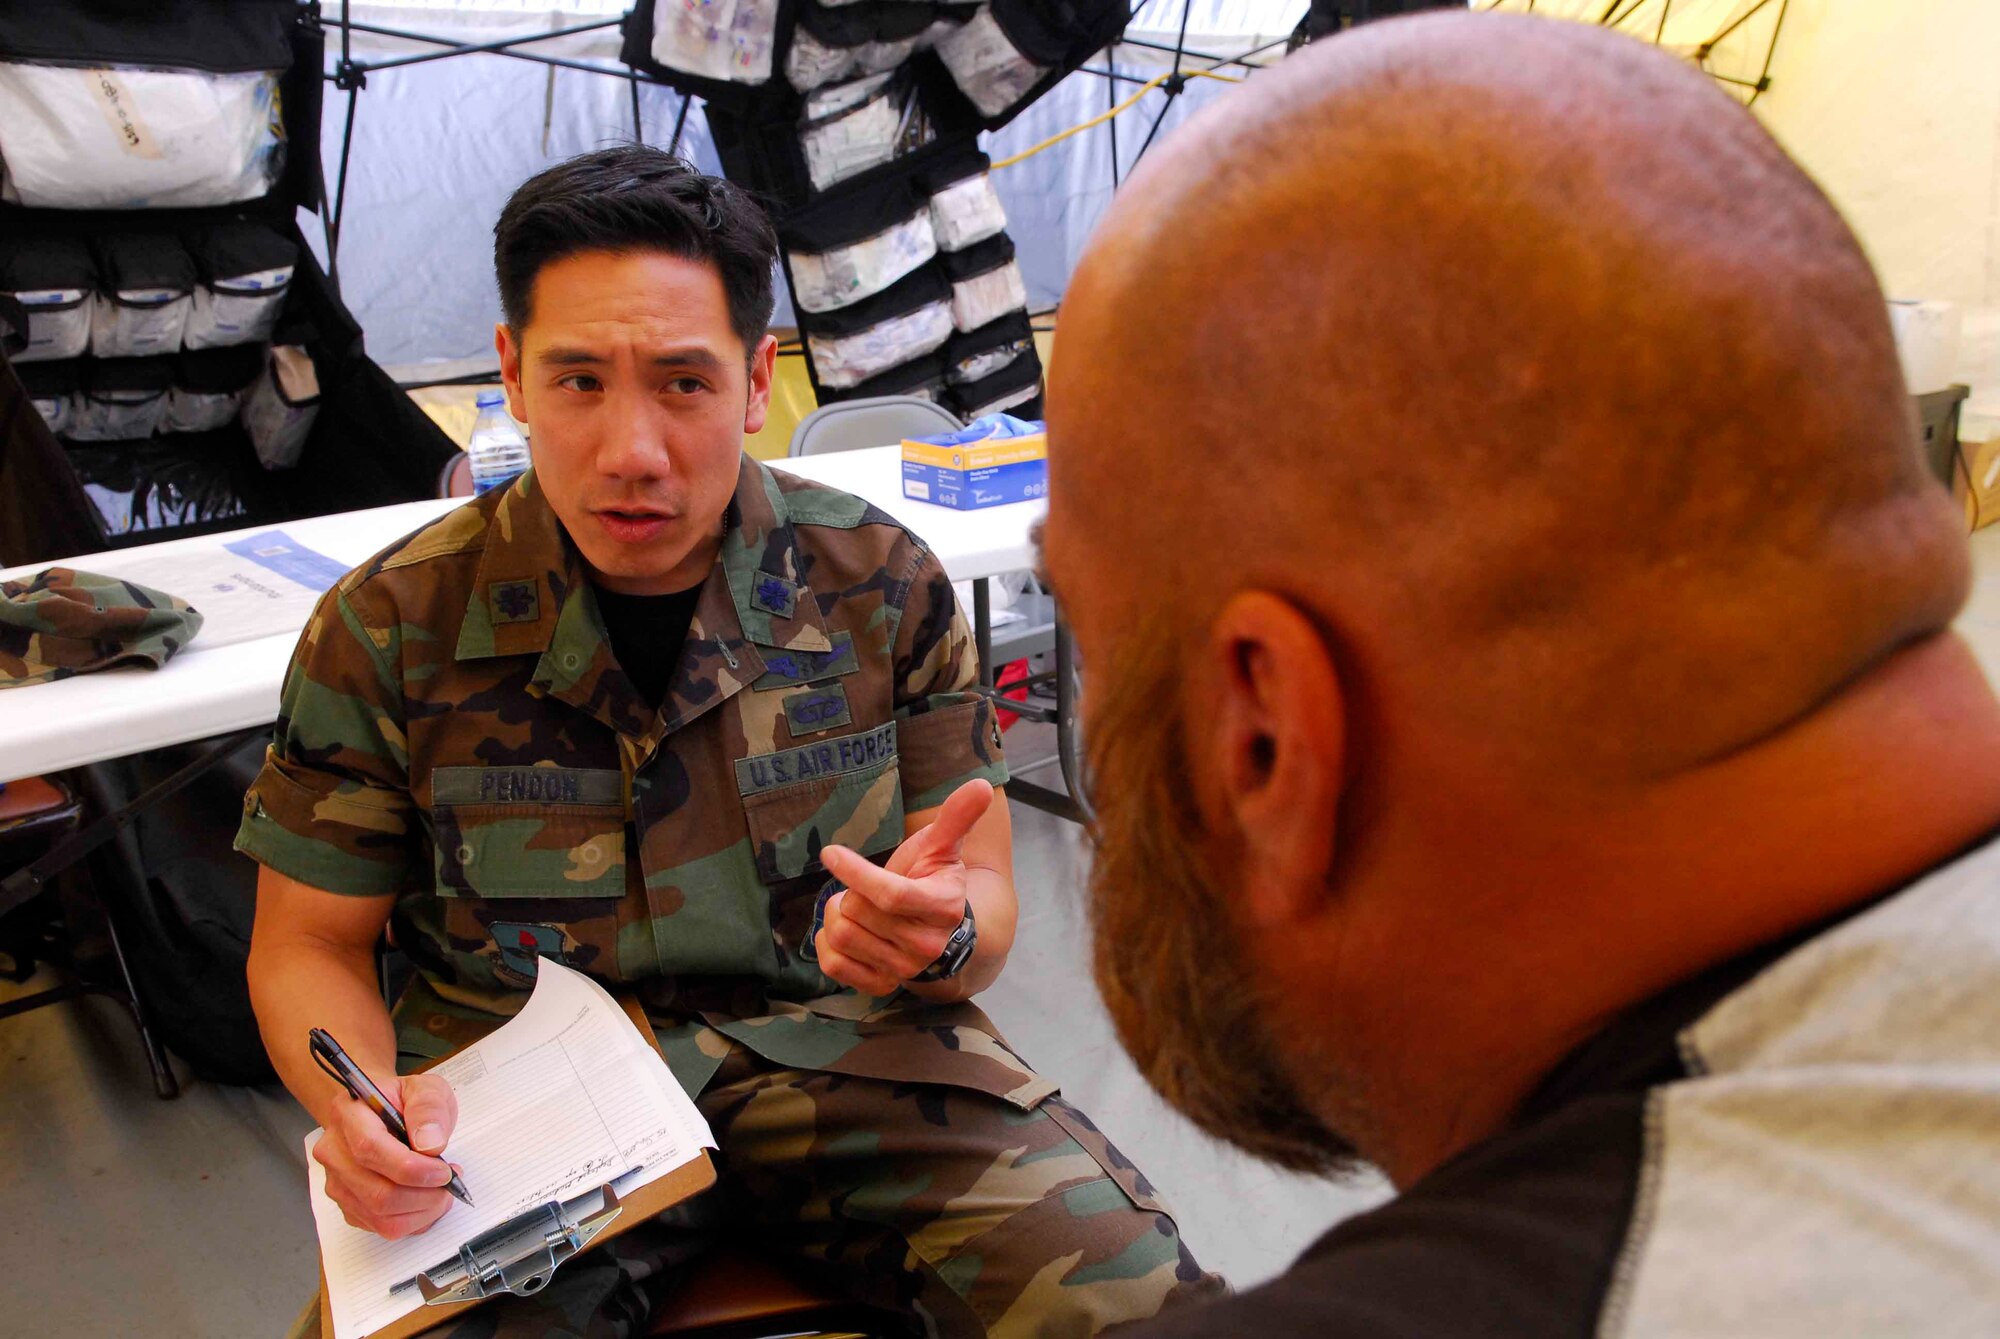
(561, 1099)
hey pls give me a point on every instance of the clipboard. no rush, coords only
(649, 1200)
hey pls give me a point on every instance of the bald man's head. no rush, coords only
(1460, 436)
(1523, 337)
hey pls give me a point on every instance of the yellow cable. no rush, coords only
(1102, 117)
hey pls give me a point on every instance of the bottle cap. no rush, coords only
(490, 399)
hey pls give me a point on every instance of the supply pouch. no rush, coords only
(146, 289)
(967, 212)
(978, 354)
(922, 377)
(986, 283)
(122, 399)
(278, 412)
(128, 137)
(733, 41)
(848, 128)
(825, 280)
(908, 320)
(53, 278)
(209, 386)
(988, 68)
(1015, 389)
(52, 388)
(845, 360)
(243, 271)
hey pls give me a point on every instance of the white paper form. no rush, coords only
(564, 1097)
(245, 588)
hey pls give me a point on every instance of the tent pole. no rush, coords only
(1111, 101)
(680, 121)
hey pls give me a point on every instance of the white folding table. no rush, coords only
(217, 685)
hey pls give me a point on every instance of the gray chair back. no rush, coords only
(883, 420)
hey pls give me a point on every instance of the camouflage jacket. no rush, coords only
(455, 730)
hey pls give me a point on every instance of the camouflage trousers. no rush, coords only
(945, 1205)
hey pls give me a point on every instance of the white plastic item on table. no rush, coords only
(1927, 335)
(989, 69)
(732, 40)
(499, 453)
(282, 404)
(841, 361)
(130, 138)
(987, 297)
(826, 280)
(967, 211)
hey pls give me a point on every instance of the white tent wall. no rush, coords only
(1895, 109)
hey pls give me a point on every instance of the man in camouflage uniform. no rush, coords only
(466, 754)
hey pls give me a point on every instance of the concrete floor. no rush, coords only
(127, 1215)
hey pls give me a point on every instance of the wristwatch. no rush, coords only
(957, 951)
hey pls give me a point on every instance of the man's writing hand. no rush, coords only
(379, 1185)
(893, 922)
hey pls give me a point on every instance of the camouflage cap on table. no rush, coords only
(61, 622)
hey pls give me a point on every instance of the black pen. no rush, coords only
(349, 1076)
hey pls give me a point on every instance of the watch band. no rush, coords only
(958, 951)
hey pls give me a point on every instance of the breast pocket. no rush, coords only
(846, 791)
(530, 864)
(527, 850)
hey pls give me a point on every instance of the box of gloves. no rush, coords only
(991, 461)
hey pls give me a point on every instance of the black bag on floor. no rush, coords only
(188, 940)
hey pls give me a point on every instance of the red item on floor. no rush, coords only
(1013, 672)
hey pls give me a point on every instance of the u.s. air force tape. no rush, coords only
(525, 785)
(824, 760)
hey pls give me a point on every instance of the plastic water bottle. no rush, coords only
(497, 449)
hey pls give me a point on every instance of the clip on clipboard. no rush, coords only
(520, 1255)
(523, 1253)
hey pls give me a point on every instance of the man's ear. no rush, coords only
(509, 349)
(763, 366)
(1276, 741)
